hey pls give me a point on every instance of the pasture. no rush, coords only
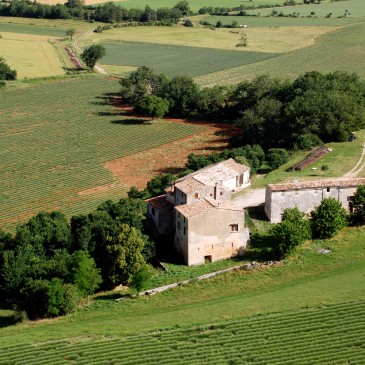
(39, 60)
(310, 308)
(342, 49)
(56, 138)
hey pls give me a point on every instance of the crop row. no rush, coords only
(266, 343)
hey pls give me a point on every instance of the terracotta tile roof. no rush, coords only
(189, 185)
(211, 175)
(158, 202)
(341, 182)
(191, 210)
(204, 205)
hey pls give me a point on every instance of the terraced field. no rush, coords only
(56, 138)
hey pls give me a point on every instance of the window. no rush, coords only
(221, 193)
(328, 190)
(153, 211)
(184, 230)
(196, 195)
(234, 227)
(178, 225)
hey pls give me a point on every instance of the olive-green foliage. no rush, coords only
(123, 255)
(277, 157)
(359, 204)
(92, 54)
(157, 185)
(328, 218)
(291, 232)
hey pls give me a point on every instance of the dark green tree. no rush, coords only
(70, 32)
(277, 157)
(157, 185)
(139, 279)
(83, 273)
(92, 54)
(328, 218)
(153, 105)
(6, 73)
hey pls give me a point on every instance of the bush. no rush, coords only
(277, 157)
(188, 23)
(359, 204)
(293, 231)
(328, 218)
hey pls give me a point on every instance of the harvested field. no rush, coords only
(139, 168)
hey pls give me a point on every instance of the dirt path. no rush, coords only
(77, 46)
(355, 171)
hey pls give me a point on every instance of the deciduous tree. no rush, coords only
(92, 54)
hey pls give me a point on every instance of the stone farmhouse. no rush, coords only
(307, 195)
(196, 210)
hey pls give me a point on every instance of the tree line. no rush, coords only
(50, 264)
(270, 112)
(107, 12)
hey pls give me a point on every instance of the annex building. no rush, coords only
(196, 210)
(307, 195)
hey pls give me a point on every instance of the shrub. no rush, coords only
(328, 218)
(188, 23)
(293, 231)
(277, 157)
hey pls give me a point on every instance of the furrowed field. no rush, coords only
(178, 60)
(56, 138)
(308, 311)
(343, 49)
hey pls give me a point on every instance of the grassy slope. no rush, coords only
(56, 138)
(342, 49)
(308, 279)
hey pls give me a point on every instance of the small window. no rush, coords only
(184, 219)
(196, 195)
(221, 193)
(234, 227)
(178, 225)
(153, 211)
(181, 193)
(328, 190)
(184, 230)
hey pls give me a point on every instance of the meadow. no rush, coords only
(56, 138)
(309, 310)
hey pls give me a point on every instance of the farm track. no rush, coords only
(360, 165)
(77, 46)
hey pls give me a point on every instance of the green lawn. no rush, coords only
(309, 309)
(178, 60)
(343, 49)
(56, 138)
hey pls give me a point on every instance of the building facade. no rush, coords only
(307, 195)
(196, 210)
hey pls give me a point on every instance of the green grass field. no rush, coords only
(178, 60)
(355, 9)
(56, 138)
(343, 49)
(31, 29)
(310, 310)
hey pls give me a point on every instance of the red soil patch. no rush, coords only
(139, 168)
